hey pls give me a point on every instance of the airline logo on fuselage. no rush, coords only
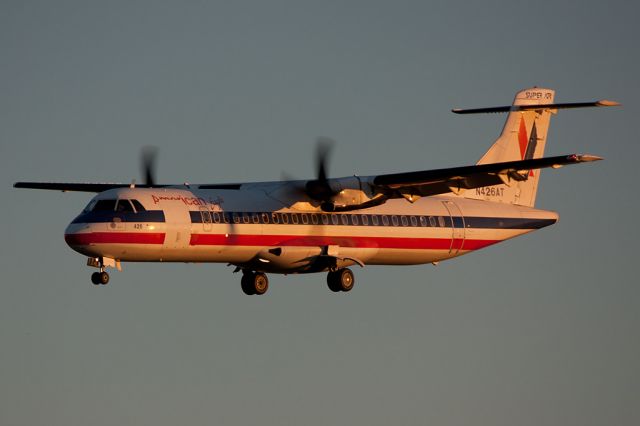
(216, 204)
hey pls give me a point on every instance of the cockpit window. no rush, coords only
(104, 205)
(90, 206)
(124, 206)
(138, 206)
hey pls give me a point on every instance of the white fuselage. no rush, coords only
(254, 228)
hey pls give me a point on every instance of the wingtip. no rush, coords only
(607, 103)
(585, 158)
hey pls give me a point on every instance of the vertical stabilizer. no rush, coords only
(523, 137)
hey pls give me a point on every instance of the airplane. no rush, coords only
(328, 224)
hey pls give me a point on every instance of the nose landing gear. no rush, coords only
(102, 277)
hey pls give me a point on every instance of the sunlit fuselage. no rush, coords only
(253, 229)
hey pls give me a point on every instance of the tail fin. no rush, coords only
(523, 137)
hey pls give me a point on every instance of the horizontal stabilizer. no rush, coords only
(537, 107)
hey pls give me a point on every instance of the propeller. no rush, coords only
(319, 189)
(148, 165)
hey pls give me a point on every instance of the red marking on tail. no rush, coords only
(522, 138)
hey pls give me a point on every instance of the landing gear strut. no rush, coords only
(340, 280)
(254, 282)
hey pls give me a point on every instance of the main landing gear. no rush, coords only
(254, 282)
(340, 280)
(258, 283)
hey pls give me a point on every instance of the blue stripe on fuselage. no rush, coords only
(148, 216)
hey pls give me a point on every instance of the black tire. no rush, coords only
(345, 280)
(260, 283)
(95, 278)
(247, 284)
(332, 282)
(103, 278)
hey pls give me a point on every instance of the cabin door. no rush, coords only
(457, 227)
(205, 215)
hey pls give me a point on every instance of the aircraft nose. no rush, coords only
(75, 235)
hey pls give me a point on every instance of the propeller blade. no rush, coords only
(323, 149)
(319, 189)
(148, 164)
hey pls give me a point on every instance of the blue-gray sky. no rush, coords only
(541, 330)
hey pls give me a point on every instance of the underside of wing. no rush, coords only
(441, 181)
(78, 187)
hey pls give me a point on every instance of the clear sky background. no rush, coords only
(541, 330)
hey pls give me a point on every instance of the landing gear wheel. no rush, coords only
(260, 283)
(95, 278)
(98, 278)
(341, 280)
(332, 282)
(254, 283)
(247, 283)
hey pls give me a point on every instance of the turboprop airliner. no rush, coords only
(328, 224)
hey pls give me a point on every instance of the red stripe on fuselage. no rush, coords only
(87, 238)
(342, 241)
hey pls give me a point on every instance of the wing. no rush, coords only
(79, 187)
(441, 181)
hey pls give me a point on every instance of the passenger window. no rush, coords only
(255, 217)
(265, 218)
(414, 221)
(374, 219)
(105, 205)
(294, 218)
(138, 206)
(385, 220)
(441, 221)
(335, 219)
(124, 206)
(236, 217)
(305, 219)
(394, 220)
(345, 219)
(365, 220)
(404, 220)
(275, 218)
(285, 218)
(314, 219)
(245, 217)
(423, 221)
(325, 219)
(354, 219)
(432, 221)
(216, 217)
